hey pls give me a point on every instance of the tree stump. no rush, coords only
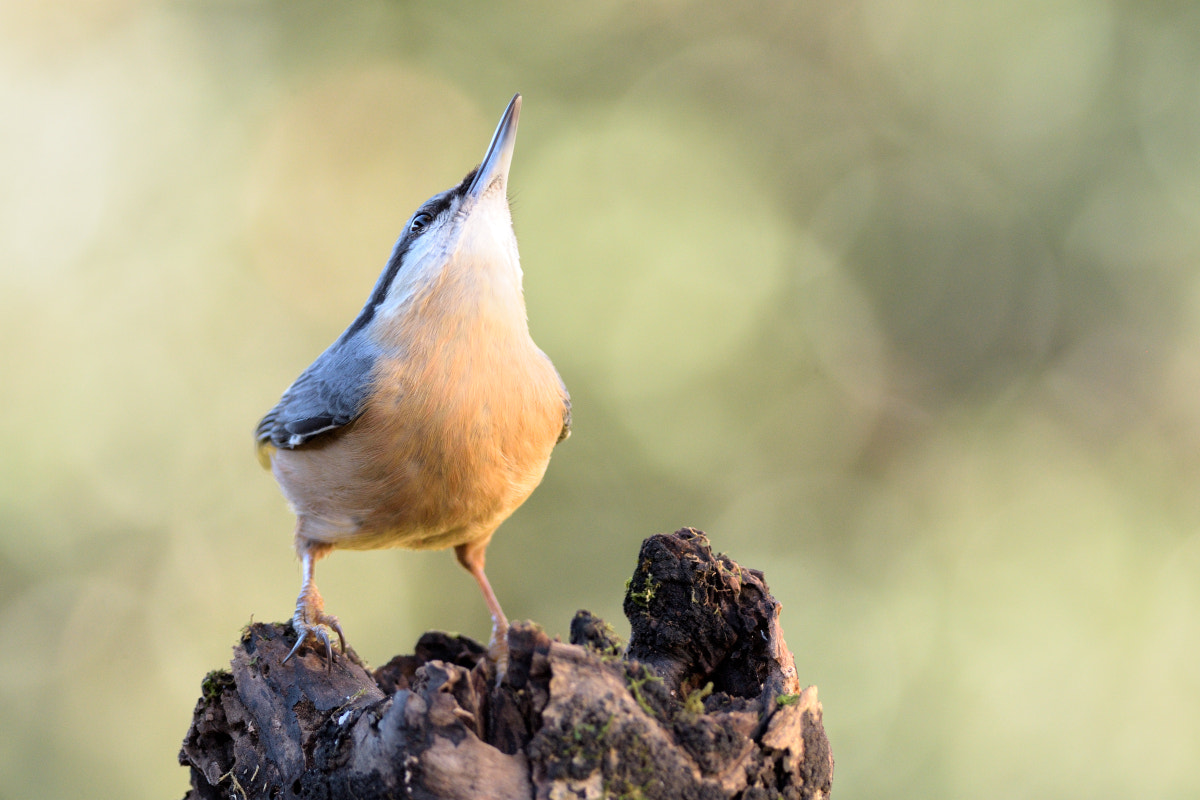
(704, 703)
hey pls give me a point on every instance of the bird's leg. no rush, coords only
(310, 619)
(471, 556)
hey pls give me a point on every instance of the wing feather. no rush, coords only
(566, 427)
(328, 395)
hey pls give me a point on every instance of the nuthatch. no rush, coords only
(432, 417)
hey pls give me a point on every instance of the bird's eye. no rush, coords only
(419, 223)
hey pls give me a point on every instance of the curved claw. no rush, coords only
(316, 625)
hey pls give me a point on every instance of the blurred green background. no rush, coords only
(897, 299)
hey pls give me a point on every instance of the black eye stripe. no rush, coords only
(433, 208)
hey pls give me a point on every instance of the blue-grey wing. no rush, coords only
(566, 425)
(329, 394)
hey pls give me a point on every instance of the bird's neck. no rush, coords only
(471, 299)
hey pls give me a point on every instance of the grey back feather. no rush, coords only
(329, 394)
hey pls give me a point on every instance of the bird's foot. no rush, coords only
(497, 651)
(311, 622)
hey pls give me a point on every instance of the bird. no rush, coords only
(433, 416)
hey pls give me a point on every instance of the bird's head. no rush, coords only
(458, 247)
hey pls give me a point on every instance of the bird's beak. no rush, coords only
(499, 153)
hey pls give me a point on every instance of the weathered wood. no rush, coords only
(704, 703)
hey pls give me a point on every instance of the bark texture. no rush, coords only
(704, 703)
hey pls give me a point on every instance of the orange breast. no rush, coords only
(455, 436)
